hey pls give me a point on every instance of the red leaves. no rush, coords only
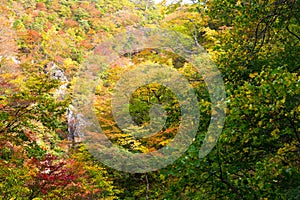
(53, 173)
(30, 135)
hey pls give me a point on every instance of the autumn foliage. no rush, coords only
(255, 45)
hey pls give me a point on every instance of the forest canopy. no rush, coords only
(254, 45)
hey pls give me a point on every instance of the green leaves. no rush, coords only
(255, 45)
(3, 116)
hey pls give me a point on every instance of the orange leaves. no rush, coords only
(69, 23)
(86, 44)
(33, 36)
(127, 18)
(40, 6)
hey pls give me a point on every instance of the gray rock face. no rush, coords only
(55, 72)
(74, 121)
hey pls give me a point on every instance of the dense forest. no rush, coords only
(45, 46)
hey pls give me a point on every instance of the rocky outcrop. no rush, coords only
(75, 121)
